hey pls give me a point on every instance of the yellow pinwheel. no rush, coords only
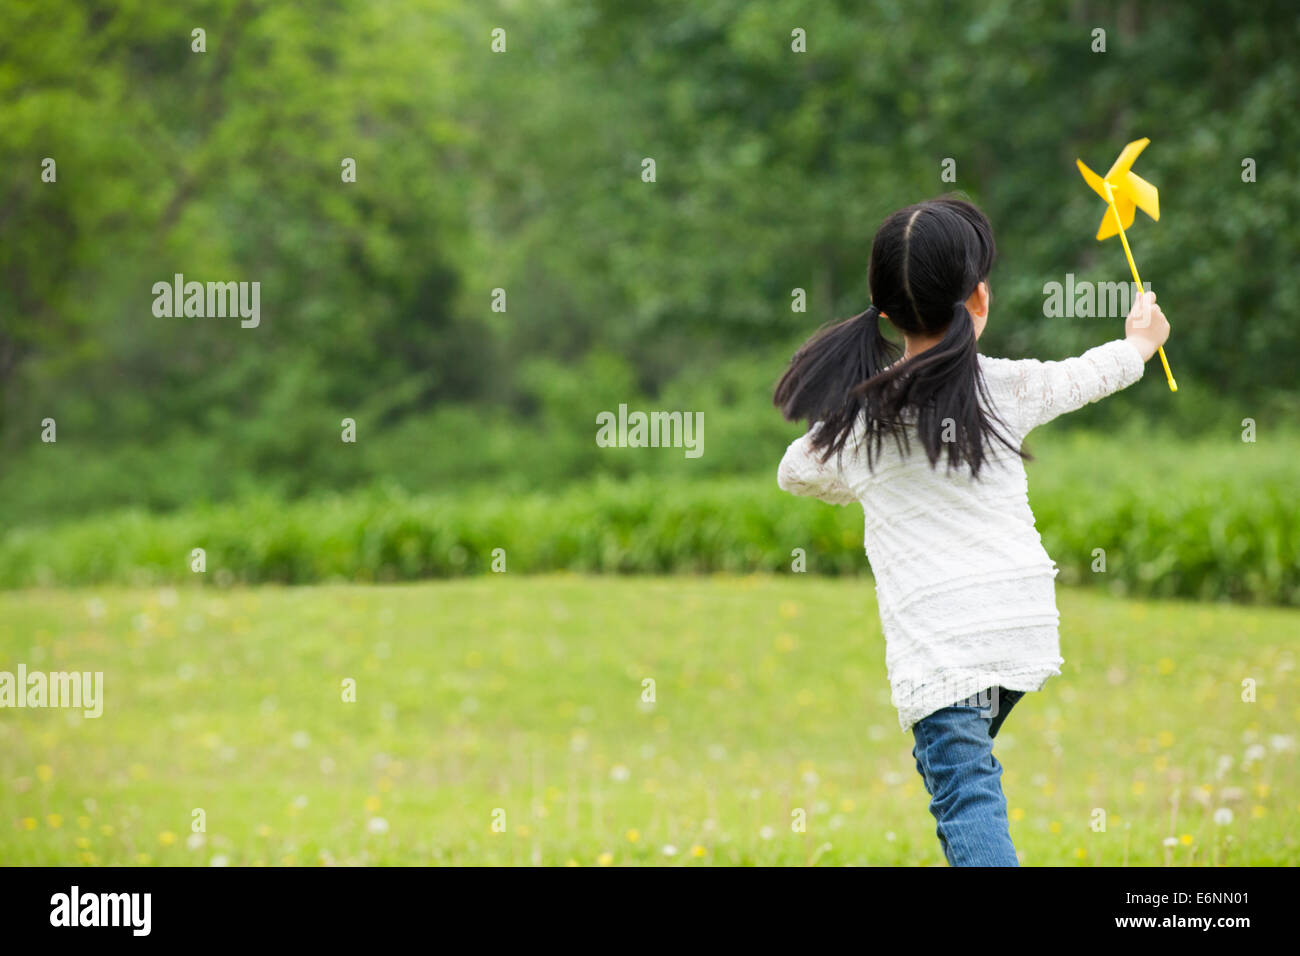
(1125, 192)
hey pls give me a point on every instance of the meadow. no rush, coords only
(502, 719)
(394, 474)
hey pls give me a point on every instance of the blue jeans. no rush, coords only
(954, 754)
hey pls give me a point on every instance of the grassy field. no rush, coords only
(524, 695)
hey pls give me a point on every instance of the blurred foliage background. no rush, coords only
(522, 171)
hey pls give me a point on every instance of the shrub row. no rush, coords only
(1188, 536)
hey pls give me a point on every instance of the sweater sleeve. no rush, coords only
(802, 472)
(1042, 391)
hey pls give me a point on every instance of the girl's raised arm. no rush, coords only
(1041, 391)
(803, 473)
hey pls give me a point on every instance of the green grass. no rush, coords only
(1210, 520)
(524, 694)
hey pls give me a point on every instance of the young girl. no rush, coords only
(929, 443)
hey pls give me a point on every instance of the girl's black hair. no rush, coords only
(926, 261)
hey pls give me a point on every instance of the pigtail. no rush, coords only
(819, 384)
(941, 386)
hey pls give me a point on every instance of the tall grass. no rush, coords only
(1212, 522)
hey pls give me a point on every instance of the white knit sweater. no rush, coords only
(965, 587)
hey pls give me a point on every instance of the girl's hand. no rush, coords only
(1146, 326)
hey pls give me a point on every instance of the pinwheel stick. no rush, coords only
(1110, 198)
